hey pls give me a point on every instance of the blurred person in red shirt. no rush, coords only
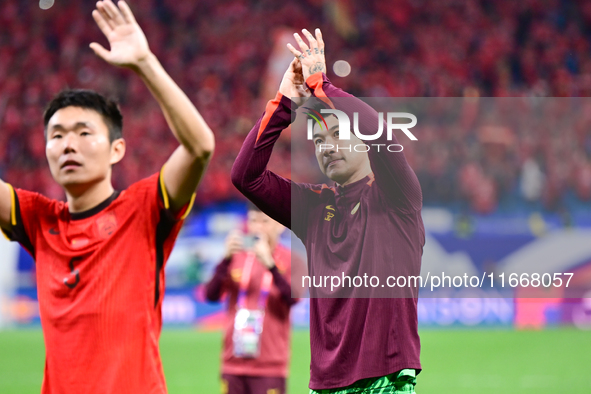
(255, 275)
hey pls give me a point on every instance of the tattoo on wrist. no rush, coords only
(317, 67)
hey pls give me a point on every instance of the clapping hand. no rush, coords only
(311, 57)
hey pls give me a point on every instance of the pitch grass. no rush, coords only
(467, 361)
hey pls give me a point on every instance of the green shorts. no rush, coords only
(401, 382)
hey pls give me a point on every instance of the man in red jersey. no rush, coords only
(370, 220)
(256, 278)
(100, 256)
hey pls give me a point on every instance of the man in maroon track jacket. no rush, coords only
(369, 221)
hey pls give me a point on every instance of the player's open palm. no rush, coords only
(312, 56)
(126, 39)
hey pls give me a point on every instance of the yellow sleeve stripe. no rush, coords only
(165, 196)
(163, 190)
(5, 236)
(12, 205)
(188, 211)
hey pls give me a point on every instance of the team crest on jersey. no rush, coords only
(329, 214)
(236, 274)
(106, 225)
(280, 266)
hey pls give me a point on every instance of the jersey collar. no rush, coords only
(95, 210)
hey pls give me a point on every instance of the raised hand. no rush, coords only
(234, 243)
(129, 46)
(262, 251)
(293, 83)
(311, 57)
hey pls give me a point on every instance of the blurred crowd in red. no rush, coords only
(218, 52)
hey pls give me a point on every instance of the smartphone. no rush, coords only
(249, 241)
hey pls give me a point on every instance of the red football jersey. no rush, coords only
(100, 284)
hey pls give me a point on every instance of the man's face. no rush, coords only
(343, 164)
(78, 148)
(259, 223)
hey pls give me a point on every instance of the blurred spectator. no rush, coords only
(255, 276)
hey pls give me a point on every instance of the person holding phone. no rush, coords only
(255, 276)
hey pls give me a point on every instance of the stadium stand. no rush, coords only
(403, 48)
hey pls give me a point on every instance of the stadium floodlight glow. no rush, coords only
(46, 4)
(341, 68)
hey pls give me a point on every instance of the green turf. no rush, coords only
(454, 361)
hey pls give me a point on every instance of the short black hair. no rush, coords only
(88, 99)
